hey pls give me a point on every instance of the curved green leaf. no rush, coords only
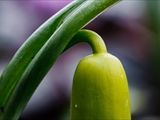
(45, 58)
(29, 49)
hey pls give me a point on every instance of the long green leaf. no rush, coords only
(28, 50)
(48, 54)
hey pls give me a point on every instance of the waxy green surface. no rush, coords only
(100, 89)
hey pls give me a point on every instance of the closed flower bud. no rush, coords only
(100, 89)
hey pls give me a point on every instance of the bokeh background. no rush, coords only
(131, 31)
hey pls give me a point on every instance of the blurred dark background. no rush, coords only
(131, 30)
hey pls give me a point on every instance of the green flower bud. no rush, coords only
(100, 89)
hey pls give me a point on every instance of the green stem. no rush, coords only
(92, 38)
